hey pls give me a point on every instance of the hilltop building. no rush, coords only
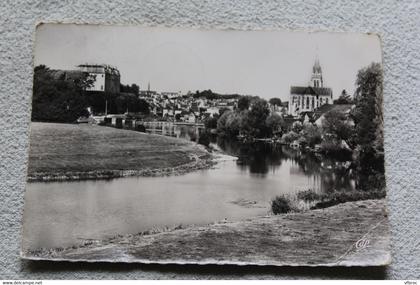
(309, 98)
(107, 78)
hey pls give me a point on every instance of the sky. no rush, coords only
(262, 63)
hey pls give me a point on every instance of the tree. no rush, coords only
(134, 89)
(297, 127)
(243, 103)
(290, 137)
(223, 110)
(368, 119)
(337, 133)
(367, 114)
(58, 99)
(274, 123)
(343, 99)
(233, 123)
(211, 122)
(229, 124)
(336, 124)
(312, 134)
(275, 101)
(253, 121)
(124, 102)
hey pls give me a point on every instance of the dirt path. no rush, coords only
(346, 234)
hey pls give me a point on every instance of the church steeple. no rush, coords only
(316, 78)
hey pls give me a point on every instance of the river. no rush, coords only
(61, 214)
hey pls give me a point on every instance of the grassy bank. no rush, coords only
(318, 237)
(75, 152)
(310, 200)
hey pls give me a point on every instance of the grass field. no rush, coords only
(71, 152)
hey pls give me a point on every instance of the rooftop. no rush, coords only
(342, 108)
(301, 90)
(99, 68)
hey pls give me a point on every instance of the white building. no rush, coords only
(213, 111)
(106, 78)
(308, 98)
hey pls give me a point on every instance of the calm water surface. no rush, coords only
(60, 214)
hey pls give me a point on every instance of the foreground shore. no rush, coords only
(353, 233)
(61, 152)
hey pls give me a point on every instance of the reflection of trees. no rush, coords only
(333, 174)
(260, 158)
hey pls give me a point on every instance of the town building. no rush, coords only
(309, 98)
(171, 95)
(106, 77)
(319, 114)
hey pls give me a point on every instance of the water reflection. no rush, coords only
(265, 159)
(262, 159)
(178, 130)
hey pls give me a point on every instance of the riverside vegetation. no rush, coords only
(357, 137)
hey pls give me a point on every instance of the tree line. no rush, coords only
(210, 95)
(64, 100)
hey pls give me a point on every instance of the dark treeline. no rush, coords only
(61, 97)
(58, 99)
(133, 88)
(210, 95)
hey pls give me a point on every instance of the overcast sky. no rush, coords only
(263, 63)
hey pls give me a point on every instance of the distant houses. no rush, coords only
(306, 103)
(175, 106)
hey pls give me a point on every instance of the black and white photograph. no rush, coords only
(194, 146)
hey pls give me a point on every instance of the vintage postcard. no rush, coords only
(160, 145)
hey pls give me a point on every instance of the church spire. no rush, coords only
(316, 78)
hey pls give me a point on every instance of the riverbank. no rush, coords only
(353, 233)
(64, 152)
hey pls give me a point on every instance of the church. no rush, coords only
(309, 98)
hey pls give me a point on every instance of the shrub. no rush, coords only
(280, 205)
(211, 122)
(290, 137)
(335, 198)
(308, 196)
(140, 128)
(204, 139)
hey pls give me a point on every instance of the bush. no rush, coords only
(204, 139)
(140, 128)
(335, 198)
(280, 205)
(290, 137)
(211, 122)
(308, 196)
